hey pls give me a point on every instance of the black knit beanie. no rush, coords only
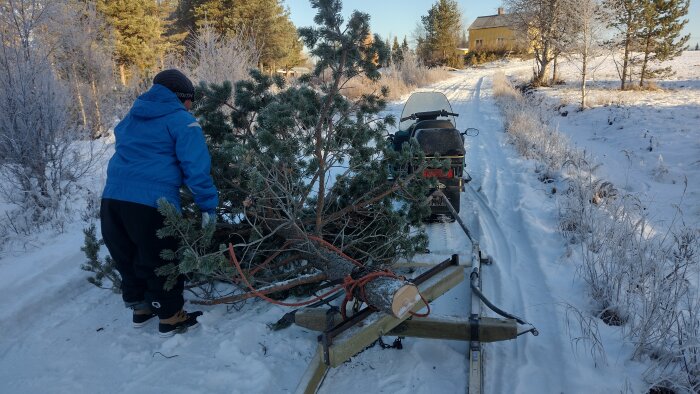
(177, 82)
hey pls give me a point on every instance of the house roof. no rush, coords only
(491, 21)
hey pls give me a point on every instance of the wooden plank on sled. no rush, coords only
(314, 375)
(489, 329)
(425, 264)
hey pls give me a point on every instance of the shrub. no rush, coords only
(401, 78)
(41, 156)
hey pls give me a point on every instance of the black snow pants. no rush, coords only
(129, 231)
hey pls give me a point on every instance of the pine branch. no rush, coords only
(274, 288)
(361, 204)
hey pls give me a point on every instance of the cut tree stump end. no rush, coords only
(404, 299)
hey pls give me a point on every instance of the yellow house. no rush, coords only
(492, 33)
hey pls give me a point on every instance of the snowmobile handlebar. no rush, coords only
(428, 115)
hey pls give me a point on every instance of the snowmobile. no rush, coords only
(428, 117)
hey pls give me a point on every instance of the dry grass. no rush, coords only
(400, 79)
(638, 277)
(649, 86)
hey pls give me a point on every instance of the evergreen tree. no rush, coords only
(396, 52)
(173, 35)
(660, 26)
(464, 42)
(265, 21)
(138, 32)
(295, 55)
(390, 58)
(624, 17)
(442, 25)
(101, 270)
(404, 45)
(308, 162)
(184, 21)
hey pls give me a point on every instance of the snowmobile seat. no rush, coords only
(432, 124)
(441, 142)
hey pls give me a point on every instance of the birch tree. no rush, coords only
(585, 30)
(540, 21)
(80, 49)
(213, 58)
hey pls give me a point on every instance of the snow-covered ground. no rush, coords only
(58, 333)
(648, 142)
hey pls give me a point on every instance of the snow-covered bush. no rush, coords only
(214, 58)
(526, 130)
(639, 278)
(41, 156)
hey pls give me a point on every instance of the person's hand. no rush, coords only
(208, 218)
(247, 202)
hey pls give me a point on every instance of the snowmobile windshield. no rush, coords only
(424, 102)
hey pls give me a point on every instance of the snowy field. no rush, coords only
(60, 334)
(648, 142)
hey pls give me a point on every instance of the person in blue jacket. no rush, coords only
(159, 148)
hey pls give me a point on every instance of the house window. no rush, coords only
(479, 43)
(500, 41)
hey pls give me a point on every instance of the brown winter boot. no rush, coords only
(178, 323)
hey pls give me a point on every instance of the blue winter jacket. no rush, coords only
(159, 147)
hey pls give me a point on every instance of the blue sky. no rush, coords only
(400, 17)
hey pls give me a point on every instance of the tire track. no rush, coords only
(515, 282)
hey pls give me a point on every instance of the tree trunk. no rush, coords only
(318, 137)
(79, 96)
(122, 74)
(98, 112)
(393, 296)
(626, 56)
(390, 295)
(584, 73)
(543, 62)
(647, 50)
(543, 70)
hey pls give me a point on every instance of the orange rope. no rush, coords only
(349, 284)
(235, 262)
(427, 313)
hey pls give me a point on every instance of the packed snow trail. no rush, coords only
(60, 334)
(511, 214)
